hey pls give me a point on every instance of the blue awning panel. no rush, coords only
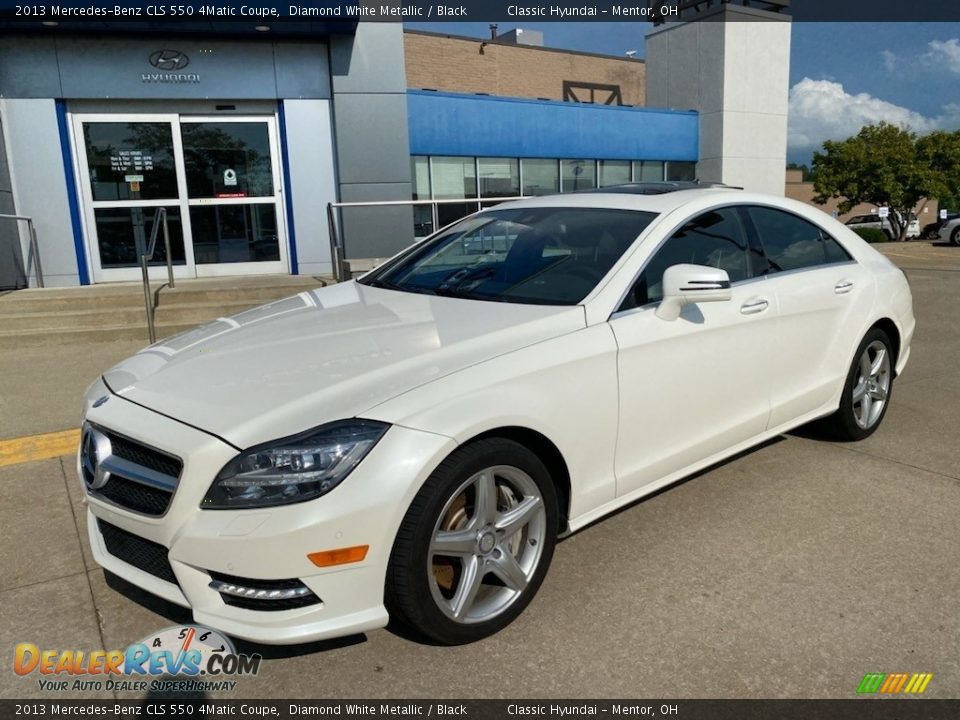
(486, 126)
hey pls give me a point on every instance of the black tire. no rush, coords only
(843, 425)
(412, 584)
(955, 236)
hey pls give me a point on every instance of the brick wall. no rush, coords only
(796, 189)
(454, 64)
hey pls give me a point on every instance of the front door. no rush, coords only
(694, 387)
(218, 178)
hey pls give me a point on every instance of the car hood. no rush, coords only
(323, 355)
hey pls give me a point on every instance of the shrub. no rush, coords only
(873, 235)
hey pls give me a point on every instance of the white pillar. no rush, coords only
(733, 66)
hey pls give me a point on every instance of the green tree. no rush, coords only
(887, 166)
(940, 152)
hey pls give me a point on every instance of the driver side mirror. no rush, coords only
(689, 284)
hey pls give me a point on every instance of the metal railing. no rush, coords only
(33, 252)
(337, 248)
(144, 268)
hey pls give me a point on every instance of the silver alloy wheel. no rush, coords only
(872, 387)
(487, 544)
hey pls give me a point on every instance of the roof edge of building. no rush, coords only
(489, 41)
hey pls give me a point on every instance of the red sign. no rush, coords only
(232, 195)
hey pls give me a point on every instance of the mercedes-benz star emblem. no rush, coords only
(94, 449)
(100, 401)
(169, 59)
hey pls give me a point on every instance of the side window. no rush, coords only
(834, 250)
(792, 243)
(716, 238)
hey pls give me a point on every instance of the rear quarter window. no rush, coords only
(792, 243)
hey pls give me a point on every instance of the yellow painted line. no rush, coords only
(38, 447)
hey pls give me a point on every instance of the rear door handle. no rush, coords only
(754, 306)
(843, 287)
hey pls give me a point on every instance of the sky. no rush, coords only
(842, 75)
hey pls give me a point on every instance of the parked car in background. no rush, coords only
(412, 444)
(931, 231)
(875, 221)
(949, 230)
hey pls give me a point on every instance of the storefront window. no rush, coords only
(540, 177)
(647, 171)
(499, 177)
(123, 234)
(683, 171)
(577, 175)
(454, 177)
(420, 174)
(234, 233)
(130, 161)
(422, 214)
(227, 159)
(614, 172)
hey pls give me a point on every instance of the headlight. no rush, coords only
(294, 469)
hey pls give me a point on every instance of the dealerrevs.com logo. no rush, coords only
(182, 658)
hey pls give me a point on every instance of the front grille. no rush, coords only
(266, 604)
(144, 456)
(139, 552)
(134, 496)
(141, 478)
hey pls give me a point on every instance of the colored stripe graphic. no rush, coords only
(894, 683)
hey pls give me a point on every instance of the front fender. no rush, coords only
(564, 388)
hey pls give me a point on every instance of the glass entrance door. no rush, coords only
(218, 178)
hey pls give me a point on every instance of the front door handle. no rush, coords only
(754, 306)
(843, 287)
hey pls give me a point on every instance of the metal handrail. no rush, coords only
(336, 240)
(144, 267)
(33, 254)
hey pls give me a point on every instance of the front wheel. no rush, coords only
(867, 390)
(955, 236)
(475, 544)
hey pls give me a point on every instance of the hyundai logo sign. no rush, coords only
(169, 60)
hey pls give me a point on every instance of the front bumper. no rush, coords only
(271, 543)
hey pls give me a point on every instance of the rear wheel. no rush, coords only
(955, 236)
(475, 544)
(866, 393)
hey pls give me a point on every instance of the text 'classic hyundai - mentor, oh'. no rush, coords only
(411, 444)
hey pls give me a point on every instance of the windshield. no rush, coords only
(545, 256)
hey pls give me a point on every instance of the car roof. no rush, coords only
(656, 203)
(657, 187)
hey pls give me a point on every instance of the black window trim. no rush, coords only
(741, 209)
(744, 209)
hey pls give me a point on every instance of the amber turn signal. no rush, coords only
(340, 556)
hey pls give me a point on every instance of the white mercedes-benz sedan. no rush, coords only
(412, 443)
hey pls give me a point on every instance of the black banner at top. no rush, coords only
(191, 706)
(329, 12)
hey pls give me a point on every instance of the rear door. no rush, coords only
(822, 298)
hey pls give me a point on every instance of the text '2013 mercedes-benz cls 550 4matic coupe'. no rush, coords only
(412, 443)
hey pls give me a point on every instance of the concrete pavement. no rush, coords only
(788, 572)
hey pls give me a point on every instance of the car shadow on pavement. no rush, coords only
(179, 615)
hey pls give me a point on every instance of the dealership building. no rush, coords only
(244, 135)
